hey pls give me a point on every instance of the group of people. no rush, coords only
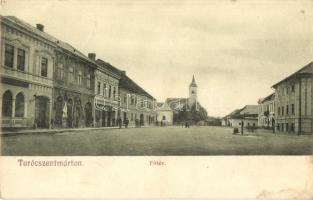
(120, 122)
(186, 125)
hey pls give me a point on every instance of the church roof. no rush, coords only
(193, 82)
(163, 106)
(176, 103)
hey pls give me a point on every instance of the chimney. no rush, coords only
(40, 27)
(123, 72)
(92, 56)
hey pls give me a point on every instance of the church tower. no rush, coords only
(192, 92)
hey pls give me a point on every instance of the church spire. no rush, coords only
(193, 82)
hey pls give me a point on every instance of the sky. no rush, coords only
(235, 49)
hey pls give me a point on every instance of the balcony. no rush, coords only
(24, 76)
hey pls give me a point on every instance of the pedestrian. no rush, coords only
(119, 122)
(242, 127)
(126, 122)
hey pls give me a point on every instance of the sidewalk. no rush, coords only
(60, 130)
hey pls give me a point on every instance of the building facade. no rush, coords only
(74, 83)
(266, 110)
(107, 101)
(27, 62)
(47, 83)
(248, 116)
(137, 105)
(164, 114)
(134, 103)
(294, 102)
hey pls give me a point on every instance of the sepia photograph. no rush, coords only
(156, 78)
(156, 99)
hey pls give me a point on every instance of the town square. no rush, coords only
(157, 141)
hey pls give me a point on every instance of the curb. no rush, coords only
(54, 131)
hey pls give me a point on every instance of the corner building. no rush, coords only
(294, 102)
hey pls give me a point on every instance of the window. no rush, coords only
(125, 98)
(88, 81)
(282, 110)
(21, 59)
(132, 101)
(98, 87)
(19, 105)
(163, 118)
(9, 55)
(7, 104)
(292, 88)
(292, 109)
(142, 103)
(80, 77)
(97, 115)
(288, 90)
(278, 111)
(104, 89)
(71, 75)
(114, 93)
(110, 90)
(60, 71)
(287, 110)
(44, 67)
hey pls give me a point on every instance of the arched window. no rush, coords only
(19, 105)
(7, 104)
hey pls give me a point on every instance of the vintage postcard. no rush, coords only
(156, 99)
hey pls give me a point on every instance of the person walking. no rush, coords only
(241, 127)
(119, 122)
(126, 123)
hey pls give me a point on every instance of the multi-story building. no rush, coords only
(135, 104)
(294, 102)
(74, 86)
(266, 110)
(27, 62)
(48, 83)
(106, 90)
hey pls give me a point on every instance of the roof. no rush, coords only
(270, 97)
(125, 82)
(249, 110)
(163, 106)
(246, 111)
(307, 69)
(193, 82)
(128, 84)
(58, 43)
(108, 67)
(176, 103)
